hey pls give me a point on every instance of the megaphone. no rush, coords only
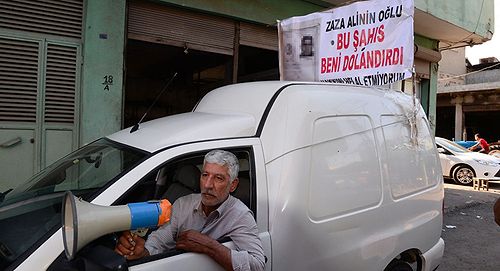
(83, 222)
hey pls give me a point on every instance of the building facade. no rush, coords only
(74, 70)
(468, 98)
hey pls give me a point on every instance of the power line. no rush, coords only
(469, 73)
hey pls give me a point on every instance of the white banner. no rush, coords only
(364, 43)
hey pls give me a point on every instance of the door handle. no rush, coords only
(11, 143)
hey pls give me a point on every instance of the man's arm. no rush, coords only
(194, 241)
(248, 255)
(473, 147)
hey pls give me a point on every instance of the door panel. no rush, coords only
(38, 98)
(16, 148)
(183, 262)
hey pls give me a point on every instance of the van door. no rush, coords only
(161, 182)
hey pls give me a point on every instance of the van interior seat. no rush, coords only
(242, 192)
(186, 180)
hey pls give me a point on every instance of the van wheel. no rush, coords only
(398, 265)
(463, 175)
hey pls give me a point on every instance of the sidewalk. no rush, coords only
(458, 197)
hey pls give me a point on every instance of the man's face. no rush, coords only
(476, 137)
(215, 184)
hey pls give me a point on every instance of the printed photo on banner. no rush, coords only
(364, 43)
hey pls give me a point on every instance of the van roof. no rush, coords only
(227, 112)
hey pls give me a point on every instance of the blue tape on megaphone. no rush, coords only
(144, 214)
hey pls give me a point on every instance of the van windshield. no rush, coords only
(31, 211)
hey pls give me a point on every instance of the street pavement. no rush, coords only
(472, 238)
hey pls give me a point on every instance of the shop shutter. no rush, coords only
(167, 25)
(61, 18)
(259, 36)
(60, 83)
(18, 80)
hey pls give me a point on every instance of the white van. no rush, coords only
(331, 172)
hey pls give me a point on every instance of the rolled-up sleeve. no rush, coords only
(249, 254)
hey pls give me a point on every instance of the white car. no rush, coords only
(462, 164)
(328, 170)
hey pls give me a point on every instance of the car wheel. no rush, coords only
(463, 175)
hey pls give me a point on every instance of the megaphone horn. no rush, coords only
(83, 222)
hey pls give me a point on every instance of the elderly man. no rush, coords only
(198, 220)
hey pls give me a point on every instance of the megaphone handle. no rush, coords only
(140, 232)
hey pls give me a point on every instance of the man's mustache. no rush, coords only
(207, 193)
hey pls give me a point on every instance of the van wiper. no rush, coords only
(3, 194)
(136, 127)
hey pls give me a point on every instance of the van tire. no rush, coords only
(398, 265)
(463, 175)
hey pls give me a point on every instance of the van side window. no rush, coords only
(345, 169)
(408, 164)
(181, 176)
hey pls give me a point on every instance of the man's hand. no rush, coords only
(194, 241)
(131, 246)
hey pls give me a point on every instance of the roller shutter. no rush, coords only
(60, 83)
(18, 80)
(60, 18)
(167, 25)
(259, 36)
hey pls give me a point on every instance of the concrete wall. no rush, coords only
(453, 62)
(451, 65)
(483, 77)
(463, 13)
(103, 56)
(263, 11)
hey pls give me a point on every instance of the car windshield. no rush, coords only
(451, 146)
(31, 211)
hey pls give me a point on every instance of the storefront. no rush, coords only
(205, 50)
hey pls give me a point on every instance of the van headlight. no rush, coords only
(486, 163)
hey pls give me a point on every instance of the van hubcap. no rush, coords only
(465, 175)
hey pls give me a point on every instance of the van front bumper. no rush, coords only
(433, 256)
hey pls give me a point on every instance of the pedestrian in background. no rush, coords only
(481, 143)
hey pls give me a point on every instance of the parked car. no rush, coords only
(329, 171)
(463, 165)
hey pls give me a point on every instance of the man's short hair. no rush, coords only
(224, 158)
(478, 135)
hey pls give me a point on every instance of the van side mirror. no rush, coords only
(441, 150)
